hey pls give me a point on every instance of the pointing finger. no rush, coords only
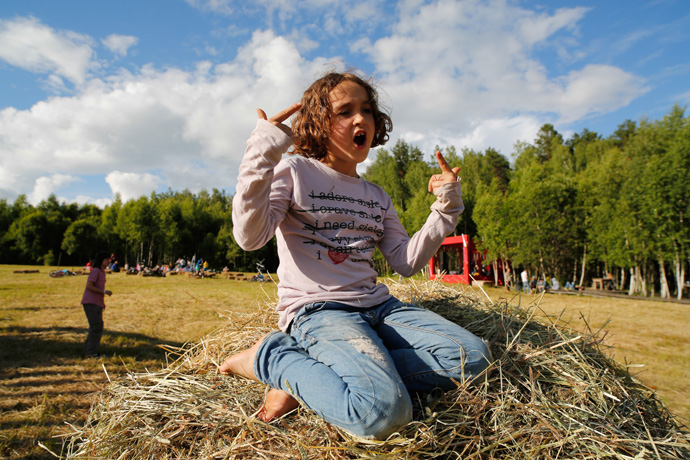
(285, 114)
(262, 114)
(442, 162)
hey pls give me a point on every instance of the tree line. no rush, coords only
(152, 230)
(571, 209)
(580, 208)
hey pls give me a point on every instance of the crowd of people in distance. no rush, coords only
(534, 284)
(199, 267)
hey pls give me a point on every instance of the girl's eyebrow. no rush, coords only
(342, 105)
(347, 104)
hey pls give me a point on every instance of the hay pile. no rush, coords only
(551, 394)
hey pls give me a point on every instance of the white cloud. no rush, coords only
(54, 84)
(215, 6)
(132, 185)
(119, 44)
(100, 202)
(597, 89)
(332, 18)
(46, 185)
(500, 134)
(188, 126)
(452, 67)
(537, 28)
(30, 45)
(463, 73)
(341, 18)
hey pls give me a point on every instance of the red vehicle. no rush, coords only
(459, 261)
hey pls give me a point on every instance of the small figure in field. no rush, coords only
(346, 349)
(94, 304)
(524, 277)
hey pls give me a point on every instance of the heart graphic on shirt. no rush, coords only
(337, 257)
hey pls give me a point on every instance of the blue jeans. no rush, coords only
(356, 367)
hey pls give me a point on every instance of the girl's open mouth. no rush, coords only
(360, 139)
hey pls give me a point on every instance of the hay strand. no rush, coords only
(550, 393)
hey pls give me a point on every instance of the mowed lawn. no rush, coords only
(45, 385)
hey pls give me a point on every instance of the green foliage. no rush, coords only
(616, 204)
(8, 251)
(491, 215)
(154, 230)
(81, 238)
(108, 232)
(478, 170)
(38, 235)
(548, 139)
(404, 175)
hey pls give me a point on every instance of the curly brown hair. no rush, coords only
(312, 122)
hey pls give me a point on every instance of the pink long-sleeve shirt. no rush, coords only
(97, 276)
(327, 226)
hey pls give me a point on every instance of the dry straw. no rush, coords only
(550, 393)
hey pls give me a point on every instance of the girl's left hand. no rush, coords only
(447, 174)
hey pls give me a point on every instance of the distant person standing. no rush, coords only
(94, 304)
(524, 277)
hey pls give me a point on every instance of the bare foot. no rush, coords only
(276, 404)
(242, 363)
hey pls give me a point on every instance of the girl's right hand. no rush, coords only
(447, 174)
(280, 117)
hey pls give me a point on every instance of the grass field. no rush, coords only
(45, 385)
(44, 382)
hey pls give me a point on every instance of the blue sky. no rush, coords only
(128, 97)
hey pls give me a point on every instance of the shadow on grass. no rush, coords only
(49, 346)
(45, 382)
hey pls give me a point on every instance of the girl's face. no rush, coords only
(104, 263)
(352, 128)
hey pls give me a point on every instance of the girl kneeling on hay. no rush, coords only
(347, 349)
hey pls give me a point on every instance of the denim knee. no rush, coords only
(479, 358)
(472, 359)
(390, 413)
